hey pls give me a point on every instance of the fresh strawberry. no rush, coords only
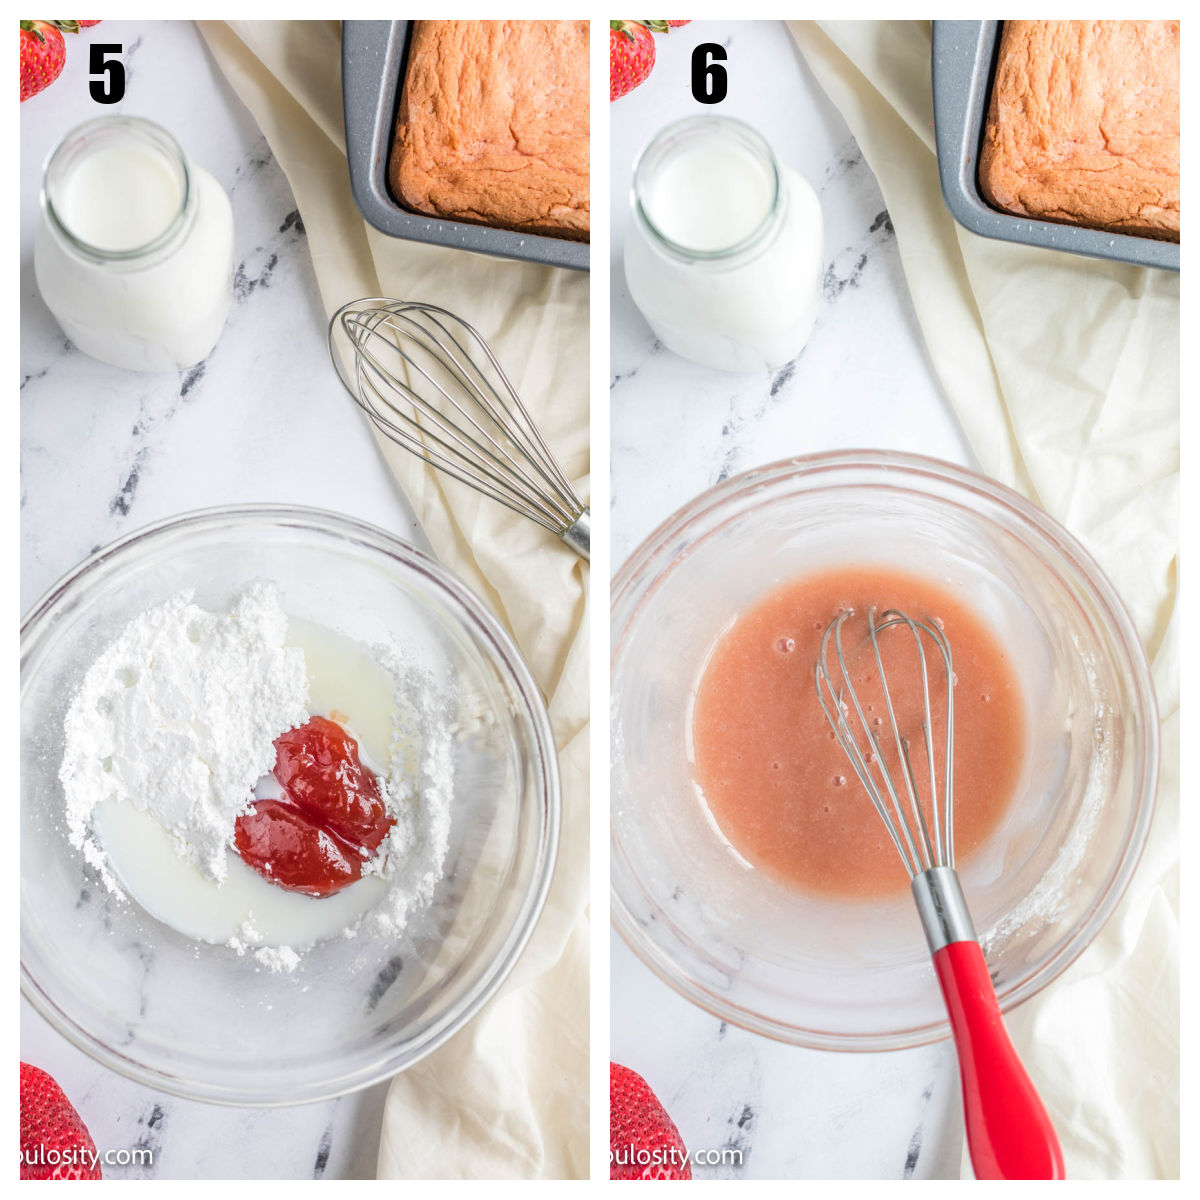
(643, 1142)
(673, 24)
(55, 1143)
(630, 54)
(89, 24)
(43, 53)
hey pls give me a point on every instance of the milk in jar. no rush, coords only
(134, 248)
(725, 252)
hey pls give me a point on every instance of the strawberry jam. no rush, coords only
(287, 848)
(317, 765)
(330, 820)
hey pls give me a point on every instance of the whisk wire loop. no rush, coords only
(904, 818)
(494, 452)
(835, 705)
(519, 427)
(450, 446)
(431, 383)
(930, 847)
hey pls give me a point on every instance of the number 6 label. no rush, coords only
(710, 81)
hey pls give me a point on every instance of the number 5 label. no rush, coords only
(108, 82)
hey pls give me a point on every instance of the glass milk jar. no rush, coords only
(725, 252)
(134, 248)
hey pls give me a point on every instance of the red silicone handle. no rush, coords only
(1008, 1130)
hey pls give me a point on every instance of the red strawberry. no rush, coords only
(89, 24)
(643, 1142)
(55, 1143)
(673, 24)
(42, 56)
(630, 54)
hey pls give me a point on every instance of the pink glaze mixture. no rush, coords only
(777, 783)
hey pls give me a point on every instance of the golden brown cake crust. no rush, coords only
(1083, 125)
(493, 125)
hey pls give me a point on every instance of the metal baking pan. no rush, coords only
(374, 58)
(964, 59)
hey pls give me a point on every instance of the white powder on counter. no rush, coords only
(178, 718)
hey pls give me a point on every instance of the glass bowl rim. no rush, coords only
(465, 607)
(908, 467)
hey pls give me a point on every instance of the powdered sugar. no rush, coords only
(420, 781)
(277, 958)
(177, 717)
(248, 940)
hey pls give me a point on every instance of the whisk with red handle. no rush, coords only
(1009, 1133)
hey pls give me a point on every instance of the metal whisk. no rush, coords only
(431, 384)
(1009, 1133)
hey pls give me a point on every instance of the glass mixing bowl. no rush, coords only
(195, 1018)
(850, 975)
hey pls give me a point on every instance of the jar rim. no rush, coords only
(149, 131)
(751, 139)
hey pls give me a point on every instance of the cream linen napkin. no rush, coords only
(1064, 373)
(507, 1097)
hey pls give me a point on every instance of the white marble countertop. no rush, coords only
(106, 451)
(863, 380)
